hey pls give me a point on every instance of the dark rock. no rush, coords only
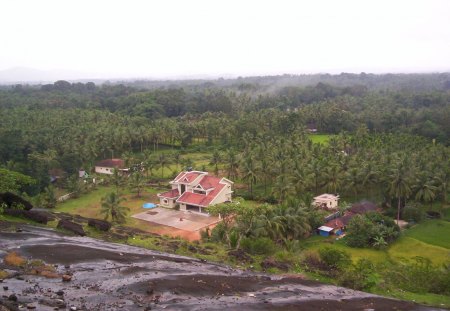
(272, 263)
(55, 303)
(99, 224)
(12, 297)
(37, 216)
(240, 255)
(5, 287)
(10, 199)
(71, 226)
(60, 293)
(192, 249)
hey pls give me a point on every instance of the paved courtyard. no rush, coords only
(178, 219)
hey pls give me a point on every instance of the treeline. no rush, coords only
(328, 108)
(71, 125)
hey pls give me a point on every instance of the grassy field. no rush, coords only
(434, 232)
(88, 205)
(320, 138)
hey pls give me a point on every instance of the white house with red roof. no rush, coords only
(109, 165)
(195, 191)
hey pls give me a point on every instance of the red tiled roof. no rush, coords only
(187, 177)
(209, 182)
(339, 222)
(200, 199)
(170, 194)
(116, 163)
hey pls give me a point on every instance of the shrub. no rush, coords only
(218, 233)
(419, 276)
(3, 274)
(360, 276)
(205, 235)
(14, 259)
(312, 262)
(334, 258)
(358, 231)
(258, 246)
(370, 230)
(413, 213)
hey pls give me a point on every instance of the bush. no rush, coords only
(369, 229)
(335, 259)
(218, 233)
(258, 246)
(14, 259)
(413, 213)
(312, 262)
(419, 276)
(360, 276)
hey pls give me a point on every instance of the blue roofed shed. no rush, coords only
(325, 231)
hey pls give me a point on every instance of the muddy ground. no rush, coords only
(108, 276)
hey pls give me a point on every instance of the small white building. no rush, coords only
(195, 191)
(326, 201)
(109, 165)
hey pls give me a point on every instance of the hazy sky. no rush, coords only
(188, 37)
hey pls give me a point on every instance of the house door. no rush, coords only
(193, 208)
(183, 189)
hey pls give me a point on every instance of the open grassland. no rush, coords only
(409, 248)
(89, 205)
(320, 138)
(434, 232)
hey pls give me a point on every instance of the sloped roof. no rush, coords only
(169, 194)
(201, 199)
(339, 222)
(209, 182)
(114, 163)
(187, 177)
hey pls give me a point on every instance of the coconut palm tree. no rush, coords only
(137, 182)
(111, 208)
(400, 184)
(249, 171)
(216, 158)
(162, 161)
(425, 189)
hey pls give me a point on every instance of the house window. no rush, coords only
(199, 191)
(165, 201)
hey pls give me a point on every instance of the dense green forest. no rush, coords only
(384, 122)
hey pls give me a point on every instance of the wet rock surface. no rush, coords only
(108, 276)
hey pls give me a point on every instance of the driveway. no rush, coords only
(178, 219)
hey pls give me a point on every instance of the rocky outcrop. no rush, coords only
(102, 225)
(71, 226)
(10, 199)
(37, 216)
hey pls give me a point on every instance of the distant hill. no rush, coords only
(31, 75)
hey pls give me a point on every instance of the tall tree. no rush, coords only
(111, 207)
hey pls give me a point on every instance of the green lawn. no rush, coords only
(88, 205)
(407, 247)
(430, 239)
(320, 138)
(318, 242)
(434, 232)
